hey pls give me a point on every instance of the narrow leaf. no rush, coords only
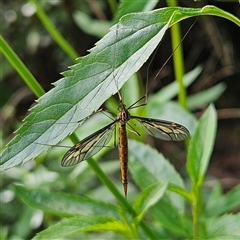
(201, 145)
(148, 198)
(206, 97)
(171, 90)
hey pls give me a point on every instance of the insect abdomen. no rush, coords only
(123, 155)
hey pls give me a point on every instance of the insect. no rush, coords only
(92, 144)
(86, 148)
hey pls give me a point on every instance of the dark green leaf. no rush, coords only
(93, 80)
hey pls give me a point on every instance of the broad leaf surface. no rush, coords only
(80, 224)
(91, 81)
(147, 167)
(219, 204)
(225, 227)
(63, 204)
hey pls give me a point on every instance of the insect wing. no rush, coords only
(89, 146)
(164, 130)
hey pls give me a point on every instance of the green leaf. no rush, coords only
(90, 26)
(20, 67)
(148, 198)
(147, 167)
(225, 227)
(80, 224)
(93, 80)
(171, 90)
(205, 97)
(63, 204)
(127, 6)
(172, 111)
(53, 31)
(201, 145)
(224, 203)
(170, 217)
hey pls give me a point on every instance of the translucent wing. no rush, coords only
(169, 131)
(89, 146)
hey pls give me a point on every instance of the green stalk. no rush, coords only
(113, 6)
(56, 35)
(178, 59)
(107, 182)
(20, 67)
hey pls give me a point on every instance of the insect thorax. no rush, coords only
(123, 115)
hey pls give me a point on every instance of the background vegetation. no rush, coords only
(211, 43)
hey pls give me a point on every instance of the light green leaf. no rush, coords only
(172, 111)
(127, 6)
(63, 204)
(88, 25)
(148, 198)
(171, 90)
(80, 224)
(224, 203)
(206, 96)
(171, 218)
(201, 145)
(147, 167)
(225, 227)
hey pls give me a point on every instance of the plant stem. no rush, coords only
(178, 60)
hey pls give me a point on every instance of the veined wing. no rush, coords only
(89, 146)
(165, 130)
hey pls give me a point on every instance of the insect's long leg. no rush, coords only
(105, 113)
(93, 113)
(133, 130)
(115, 135)
(149, 89)
(140, 105)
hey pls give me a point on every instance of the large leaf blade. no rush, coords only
(93, 80)
(63, 204)
(80, 224)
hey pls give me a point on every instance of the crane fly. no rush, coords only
(89, 146)
(86, 148)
